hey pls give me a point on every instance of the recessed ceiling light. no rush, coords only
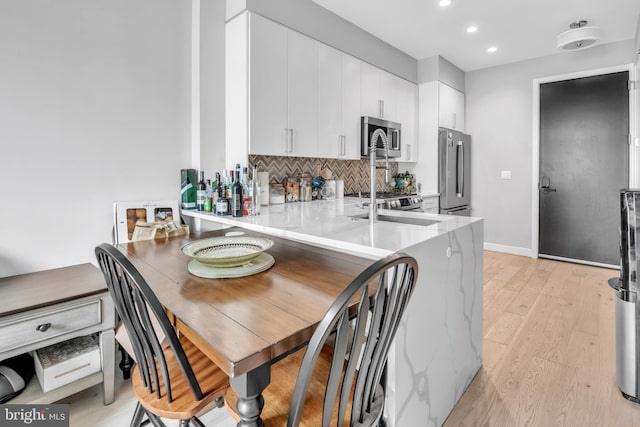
(472, 29)
(492, 49)
(444, 3)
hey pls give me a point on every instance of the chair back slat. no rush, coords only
(337, 364)
(153, 345)
(376, 321)
(363, 390)
(359, 336)
(135, 302)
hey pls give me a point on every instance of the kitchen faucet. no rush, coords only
(373, 205)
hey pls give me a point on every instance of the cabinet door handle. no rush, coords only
(44, 327)
(290, 140)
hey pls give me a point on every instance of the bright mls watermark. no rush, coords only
(55, 415)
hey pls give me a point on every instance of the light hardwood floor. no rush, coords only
(549, 348)
(549, 354)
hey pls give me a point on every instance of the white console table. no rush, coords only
(48, 307)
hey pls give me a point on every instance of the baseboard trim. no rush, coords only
(580, 261)
(508, 249)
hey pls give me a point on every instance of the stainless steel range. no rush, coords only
(390, 200)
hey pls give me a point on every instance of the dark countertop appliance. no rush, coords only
(627, 308)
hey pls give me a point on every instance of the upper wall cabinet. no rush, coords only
(290, 95)
(392, 98)
(407, 108)
(268, 102)
(302, 69)
(283, 85)
(339, 79)
(379, 93)
(451, 107)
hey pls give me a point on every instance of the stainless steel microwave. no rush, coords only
(391, 130)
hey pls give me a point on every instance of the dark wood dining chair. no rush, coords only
(174, 380)
(337, 378)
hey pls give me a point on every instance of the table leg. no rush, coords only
(249, 388)
(108, 349)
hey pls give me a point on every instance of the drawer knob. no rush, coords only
(44, 327)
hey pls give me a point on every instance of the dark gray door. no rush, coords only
(584, 158)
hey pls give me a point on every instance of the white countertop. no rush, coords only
(328, 223)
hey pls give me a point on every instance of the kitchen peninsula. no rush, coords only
(438, 347)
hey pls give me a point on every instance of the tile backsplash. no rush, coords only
(355, 173)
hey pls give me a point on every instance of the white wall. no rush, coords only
(499, 118)
(212, 113)
(94, 107)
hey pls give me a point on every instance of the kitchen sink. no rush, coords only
(399, 219)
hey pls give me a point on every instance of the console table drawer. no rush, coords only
(23, 330)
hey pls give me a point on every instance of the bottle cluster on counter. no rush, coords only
(230, 193)
(305, 187)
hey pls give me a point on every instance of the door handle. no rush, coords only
(547, 190)
(460, 170)
(545, 185)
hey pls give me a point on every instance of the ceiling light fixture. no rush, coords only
(492, 49)
(444, 3)
(472, 29)
(580, 36)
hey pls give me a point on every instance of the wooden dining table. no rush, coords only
(245, 324)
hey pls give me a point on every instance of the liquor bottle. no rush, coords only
(247, 193)
(236, 198)
(230, 183)
(201, 193)
(216, 193)
(208, 198)
(223, 207)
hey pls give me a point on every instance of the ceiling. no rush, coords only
(519, 29)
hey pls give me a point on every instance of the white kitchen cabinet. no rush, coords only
(407, 107)
(329, 102)
(338, 104)
(268, 103)
(289, 95)
(431, 204)
(426, 171)
(451, 107)
(351, 93)
(302, 66)
(279, 90)
(379, 93)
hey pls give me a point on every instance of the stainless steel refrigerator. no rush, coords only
(454, 178)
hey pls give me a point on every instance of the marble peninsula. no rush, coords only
(438, 347)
